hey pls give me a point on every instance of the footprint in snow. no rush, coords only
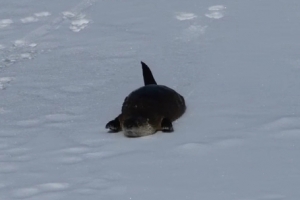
(20, 50)
(42, 14)
(182, 16)
(4, 81)
(5, 23)
(78, 22)
(39, 189)
(29, 19)
(35, 17)
(216, 12)
(23, 44)
(193, 31)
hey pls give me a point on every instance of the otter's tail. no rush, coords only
(147, 74)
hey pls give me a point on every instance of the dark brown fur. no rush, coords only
(154, 102)
(149, 109)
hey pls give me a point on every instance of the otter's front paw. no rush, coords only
(166, 125)
(113, 125)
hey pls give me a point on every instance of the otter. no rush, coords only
(148, 109)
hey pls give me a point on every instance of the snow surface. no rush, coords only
(66, 67)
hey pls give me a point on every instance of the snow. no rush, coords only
(66, 67)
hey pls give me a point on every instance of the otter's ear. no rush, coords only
(147, 74)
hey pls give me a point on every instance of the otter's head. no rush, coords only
(137, 127)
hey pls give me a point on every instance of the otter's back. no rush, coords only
(156, 99)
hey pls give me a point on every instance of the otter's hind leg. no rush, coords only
(114, 125)
(166, 125)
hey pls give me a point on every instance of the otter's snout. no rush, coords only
(137, 127)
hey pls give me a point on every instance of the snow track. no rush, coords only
(25, 46)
